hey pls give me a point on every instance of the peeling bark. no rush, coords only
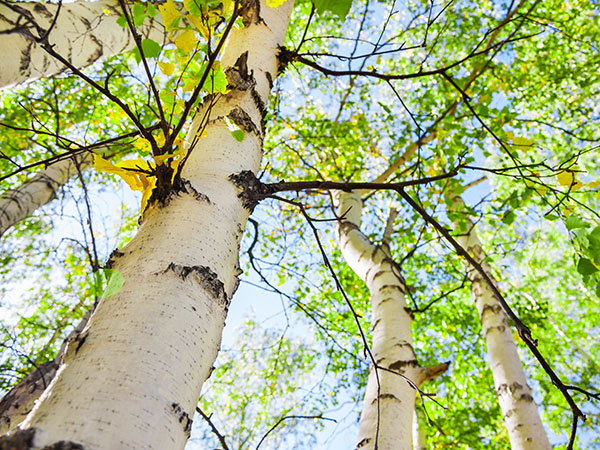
(135, 381)
(386, 420)
(520, 413)
(83, 33)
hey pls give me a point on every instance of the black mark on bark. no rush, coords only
(399, 366)
(64, 445)
(186, 187)
(252, 190)
(183, 418)
(363, 442)
(208, 279)
(243, 120)
(238, 76)
(113, 257)
(385, 397)
(79, 339)
(250, 12)
(17, 440)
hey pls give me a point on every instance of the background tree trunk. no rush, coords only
(386, 421)
(83, 33)
(520, 413)
(19, 203)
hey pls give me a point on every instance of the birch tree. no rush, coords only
(395, 375)
(348, 107)
(83, 32)
(202, 285)
(519, 411)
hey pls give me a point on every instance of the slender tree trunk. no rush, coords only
(83, 33)
(520, 413)
(132, 378)
(419, 430)
(387, 415)
(18, 204)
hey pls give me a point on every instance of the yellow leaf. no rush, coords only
(169, 14)
(227, 6)
(134, 164)
(594, 184)
(160, 159)
(132, 179)
(565, 178)
(106, 11)
(190, 85)
(166, 67)
(182, 60)
(200, 26)
(187, 41)
(523, 142)
(142, 144)
(147, 192)
(103, 165)
(160, 139)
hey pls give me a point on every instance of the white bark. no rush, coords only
(419, 433)
(132, 379)
(20, 400)
(520, 413)
(83, 33)
(18, 204)
(387, 415)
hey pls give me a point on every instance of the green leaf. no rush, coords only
(151, 10)
(238, 135)
(122, 21)
(151, 48)
(114, 282)
(139, 14)
(551, 217)
(193, 7)
(574, 222)
(509, 217)
(218, 81)
(585, 267)
(338, 7)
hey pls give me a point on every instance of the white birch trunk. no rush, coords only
(132, 379)
(419, 431)
(387, 416)
(18, 204)
(520, 413)
(83, 33)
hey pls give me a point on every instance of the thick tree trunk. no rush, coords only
(83, 33)
(387, 416)
(18, 204)
(18, 403)
(520, 413)
(132, 378)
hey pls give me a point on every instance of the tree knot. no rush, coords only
(252, 190)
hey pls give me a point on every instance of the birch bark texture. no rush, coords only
(132, 378)
(82, 32)
(386, 420)
(520, 414)
(17, 204)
